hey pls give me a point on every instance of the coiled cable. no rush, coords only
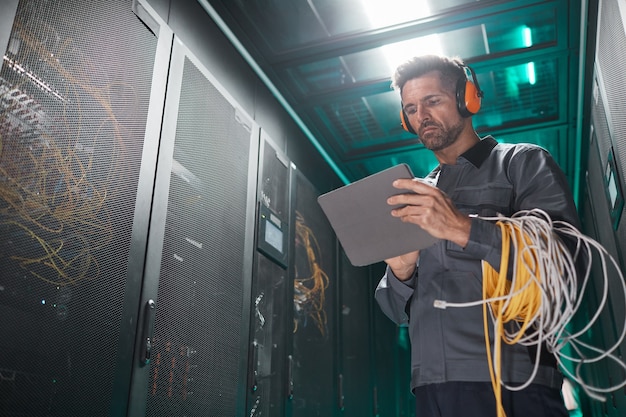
(541, 294)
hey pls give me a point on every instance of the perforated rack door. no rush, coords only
(315, 306)
(271, 316)
(609, 95)
(74, 95)
(200, 331)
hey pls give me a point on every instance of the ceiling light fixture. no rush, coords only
(383, 14)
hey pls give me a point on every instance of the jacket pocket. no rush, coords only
(485, 200)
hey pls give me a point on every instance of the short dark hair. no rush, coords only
(450, 70)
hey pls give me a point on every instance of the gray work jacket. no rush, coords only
(448, 344)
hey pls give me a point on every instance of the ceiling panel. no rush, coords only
(319, 20)
(332, 60)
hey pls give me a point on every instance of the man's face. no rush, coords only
(432, 111)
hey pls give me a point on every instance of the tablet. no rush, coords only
(362, 220)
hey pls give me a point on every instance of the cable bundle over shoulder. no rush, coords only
(540, 289)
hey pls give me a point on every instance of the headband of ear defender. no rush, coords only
(468, 98)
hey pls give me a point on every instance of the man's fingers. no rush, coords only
(416, 185)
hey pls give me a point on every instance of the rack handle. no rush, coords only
(290, 377)
(148, 331)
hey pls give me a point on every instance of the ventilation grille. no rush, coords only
(611, 60)
(199, 310)
(314, 306)
(74, 95)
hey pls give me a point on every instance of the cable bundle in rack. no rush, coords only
(540, 288)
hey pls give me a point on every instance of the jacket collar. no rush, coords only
(478, 153)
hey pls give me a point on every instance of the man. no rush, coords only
(475, 179)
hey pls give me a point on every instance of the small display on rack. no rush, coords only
(272, 235)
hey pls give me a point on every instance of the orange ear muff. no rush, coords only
(468, 93)
(404, 121)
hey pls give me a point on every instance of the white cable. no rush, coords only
(562, 294)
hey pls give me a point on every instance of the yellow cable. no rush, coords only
(522, 306)
(311, 296)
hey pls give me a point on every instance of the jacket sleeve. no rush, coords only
(394, 295)
(538, 182)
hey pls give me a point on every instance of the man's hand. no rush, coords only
(403, 266)
(432, 210)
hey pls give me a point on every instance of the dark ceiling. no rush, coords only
(329, 62)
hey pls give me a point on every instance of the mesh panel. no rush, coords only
(270, 301)
(199, 308)
(610, 56)
(73, 105)
(275, 182)
(356, 296)
(602, 228)
(602, 132)
(314, 307)
(270, 325)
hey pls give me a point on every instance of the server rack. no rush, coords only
(76, 99)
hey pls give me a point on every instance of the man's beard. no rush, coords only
(441, 138)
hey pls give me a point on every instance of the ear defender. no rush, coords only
(468, 93)
(404, 121)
